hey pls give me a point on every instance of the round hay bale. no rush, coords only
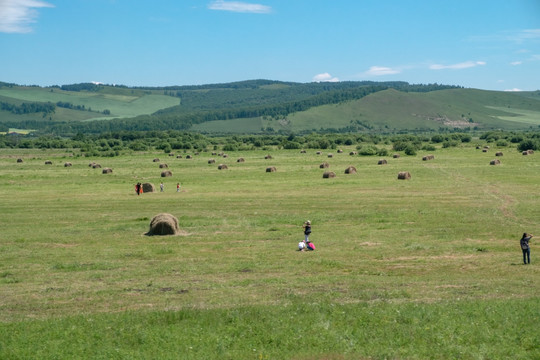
(499, 153)
(330, 155)
(163, 166)
(495, 162)
(484, 150)
(319, 152)
(106, 171)
(271, 169)
(225, 155)
(19, 160)
(214, 153)
(340, 151)
(96, 166)
(328, 175)
(188, 156)
(240, 160)
(48, 162)
(353, 153)
(68, 164)
(268, 157)
(478, 147)
(148, 188)
(156, 160)
(211, 161)
(486, 147)
(302, 151)
(350, 170)
(382, 162)
(91, 164)
(166, 173)
(404, 175)
(171, 154)
(324, 165)
(178, 156)
(396, 156)
(163, 224)
(528, 152)
(222, 167)
(428, 157)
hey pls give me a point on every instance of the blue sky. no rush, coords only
(493, 45)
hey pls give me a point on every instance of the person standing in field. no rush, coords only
(138, 188)
(525, 248)
(307, 231)
(177, 187)
(161, 187)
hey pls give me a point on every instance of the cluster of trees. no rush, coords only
(116, 143)
(29, 108)
(68, 105)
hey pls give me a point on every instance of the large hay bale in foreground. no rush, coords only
(163, 224)
(48, 162)
(222, 167)
(324, 165)
(148, 188)
(163, 166)
(68, 164)
(495, 162)
(404, 175)
(271, 169)
(328, 175)
(106, 171)
(382, 162)
(350, 170)
(167, 173)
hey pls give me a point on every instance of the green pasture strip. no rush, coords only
(521, 116)
(237, 126)
(476, 329)
(73, 242)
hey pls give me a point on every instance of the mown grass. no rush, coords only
(426, 268)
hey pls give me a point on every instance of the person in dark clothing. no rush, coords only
(138, 188)
(307, 231)
(525, 248)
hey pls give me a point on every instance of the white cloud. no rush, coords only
(324, 77)
(238, 6)
(458, 66)
(381, 70)
(17, 16)
(514, 89)
(516, 63)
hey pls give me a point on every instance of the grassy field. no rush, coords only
(424, 268)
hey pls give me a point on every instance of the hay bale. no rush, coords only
(353, 153)
(302, 151)
(188, 157)
(328, 175)
(267, 157)
(171, 154)
(340, 151)
(319, 152)
(495, 162)
(48, 162)
(528, 152)
(178, 156)
(211, 161)
(19, 160)
(486, 147)
(382, 162)
(96, 166)
(222, 167)
(350, 170)
(163, 224)
(163, 166)
(148, 188)
(396, 156)
(91, 164)
(214, 153)
(428, 157)
(484, 150)
(156, 160)
(271, 169)
(499, 153)
(106, 171)
(324, 165)
(404, 175)
(330, 155)
(240, 160)
(225, 155)
(167, 173)
(68, 164)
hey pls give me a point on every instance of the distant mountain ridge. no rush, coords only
(264, 106)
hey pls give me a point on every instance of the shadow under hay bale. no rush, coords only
(19, 160)
(404, 175)
(350, 170)
(428, 157)
(495, 162)
(48, 162)
(499, 153)
(328, 175)
(68, 164)
(324, 165)
(167, 173)
(240, 160)
(148, 188)
(271, 169)
(163, 224)
(382, 162)
(106, 171)
(222, 167)
(163, 166)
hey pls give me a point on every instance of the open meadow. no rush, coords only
(404, 269)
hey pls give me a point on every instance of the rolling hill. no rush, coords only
(257, 106)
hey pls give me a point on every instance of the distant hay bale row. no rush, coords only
(428, 157)
(163, 224)
(528, 152)
(495, 162)
(404, 175)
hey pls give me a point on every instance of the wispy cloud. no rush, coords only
(381, 71)
(17, 16)
(238, 6)
(458, 66)
(518, 37)
(516, 63)
(514, 89)
(325, 77)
